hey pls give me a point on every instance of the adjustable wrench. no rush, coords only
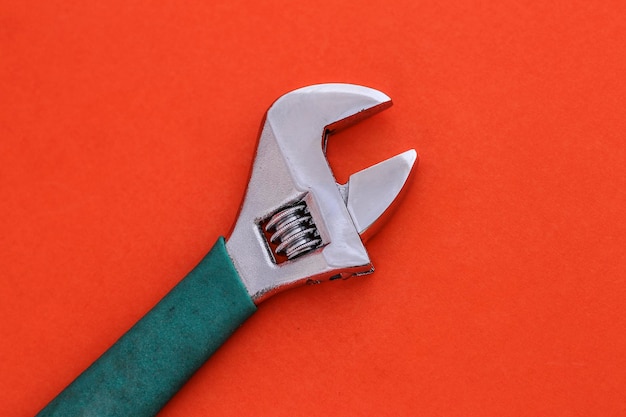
(296, 225)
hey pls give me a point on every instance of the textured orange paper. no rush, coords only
(127, 130)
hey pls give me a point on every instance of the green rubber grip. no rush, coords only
(140, 373)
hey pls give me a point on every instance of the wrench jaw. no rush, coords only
(373, 194)
(294, 226)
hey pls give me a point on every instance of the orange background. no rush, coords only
(127, 130)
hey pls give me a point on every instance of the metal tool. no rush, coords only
(296, 226)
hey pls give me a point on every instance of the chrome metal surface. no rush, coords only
(369, 193)
(294, 231)
(290, 169)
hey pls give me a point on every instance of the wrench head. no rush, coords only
(296, 224)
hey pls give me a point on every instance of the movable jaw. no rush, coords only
(296, 223)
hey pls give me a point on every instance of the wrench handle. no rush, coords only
(140, 373)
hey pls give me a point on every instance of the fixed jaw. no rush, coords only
(296, 224)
